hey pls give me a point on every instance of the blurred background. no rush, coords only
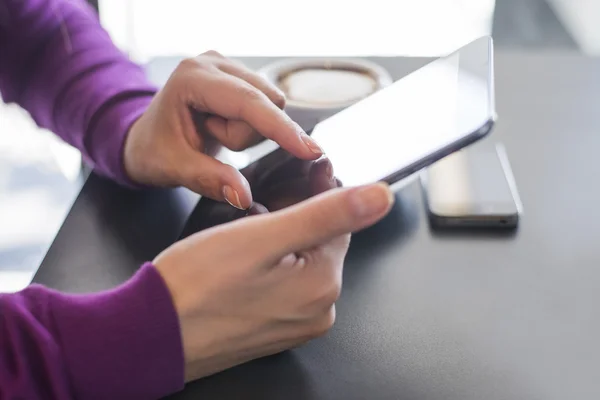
(40, 176)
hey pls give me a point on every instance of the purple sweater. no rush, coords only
(60, 65)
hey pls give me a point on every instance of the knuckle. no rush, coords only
(332, 294)
(189, 67)
(237, 63)
(188, 63)
(196, 63)
(279, 99)
(249, 93)
(249, 98)
(323, 323)
(344, 242)
(213, 53)
(330, 290)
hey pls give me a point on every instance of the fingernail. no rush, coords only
(372, 200)
(311, 144)
(232, 197)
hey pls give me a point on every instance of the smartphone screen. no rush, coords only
(473, 183)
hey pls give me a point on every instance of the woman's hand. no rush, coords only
(268, 282)
(207, 102)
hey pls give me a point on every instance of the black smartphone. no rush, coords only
(277, 181)
(474, 187)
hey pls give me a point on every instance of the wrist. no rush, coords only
(129, 161)
(206, 347)
(108, 135)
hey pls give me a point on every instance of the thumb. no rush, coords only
(216, 180)
(322, 218)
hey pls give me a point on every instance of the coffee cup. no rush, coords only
(318, 88)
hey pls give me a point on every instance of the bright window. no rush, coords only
(150, 28)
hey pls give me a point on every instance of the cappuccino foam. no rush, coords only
(327, 87)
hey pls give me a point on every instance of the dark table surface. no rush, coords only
(422, 315)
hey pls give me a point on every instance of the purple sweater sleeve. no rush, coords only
(119, 344)
(58, 63)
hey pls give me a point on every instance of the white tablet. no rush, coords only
(433, 112)
(406, 126)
